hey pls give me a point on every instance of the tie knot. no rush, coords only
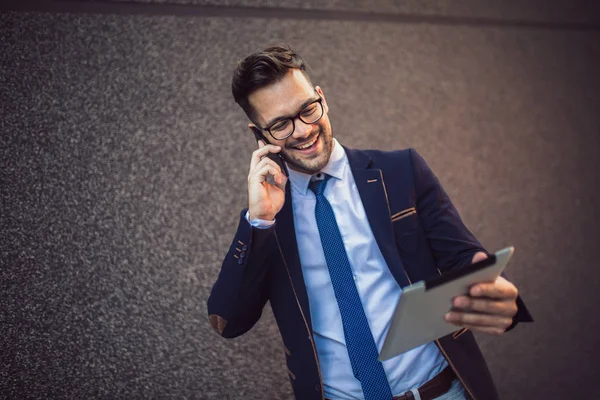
(318, 186)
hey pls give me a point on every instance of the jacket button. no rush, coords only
(240, 260)
(317, 387)
(243, 254)
(244, 247)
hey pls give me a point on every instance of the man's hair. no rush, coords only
(262, 69)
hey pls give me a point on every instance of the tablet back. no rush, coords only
(419, 314)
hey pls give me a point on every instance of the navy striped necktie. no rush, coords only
(359, 340)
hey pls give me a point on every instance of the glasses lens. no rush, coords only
(282, 129)
(312, 113)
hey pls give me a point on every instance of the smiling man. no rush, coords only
(332, 245)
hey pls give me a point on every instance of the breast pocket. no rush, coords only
(406, 228)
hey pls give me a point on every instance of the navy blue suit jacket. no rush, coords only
(419, 233)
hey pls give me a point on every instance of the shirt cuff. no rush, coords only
(259, 223)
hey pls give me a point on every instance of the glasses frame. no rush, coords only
(297, 116)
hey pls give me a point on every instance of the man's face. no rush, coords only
(286, 98)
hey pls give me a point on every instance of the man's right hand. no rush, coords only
(265, 196)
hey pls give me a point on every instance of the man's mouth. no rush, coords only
(308, 145)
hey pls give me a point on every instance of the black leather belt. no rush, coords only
(435, 387)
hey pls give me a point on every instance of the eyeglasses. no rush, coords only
(284, 127)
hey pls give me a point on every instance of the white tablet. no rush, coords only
(419, 315)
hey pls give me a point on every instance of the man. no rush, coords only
(332, 246)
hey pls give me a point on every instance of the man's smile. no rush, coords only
(309, 146)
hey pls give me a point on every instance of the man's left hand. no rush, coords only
(488, 308)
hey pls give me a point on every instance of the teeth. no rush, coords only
(306, 146)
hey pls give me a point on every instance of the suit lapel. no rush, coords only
(369, 182)
(286, 235)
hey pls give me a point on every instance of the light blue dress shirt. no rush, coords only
(378, 290)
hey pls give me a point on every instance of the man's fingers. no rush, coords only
(486, 329)
(478, 320)
(506, 308)
(259, 153)
(500, 289)
(261, 163)
(263, 171)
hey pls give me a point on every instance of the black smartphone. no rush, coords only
(278, 158)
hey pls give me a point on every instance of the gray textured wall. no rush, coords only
(123, 164)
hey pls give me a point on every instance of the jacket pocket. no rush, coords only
(406, 225)
(403, 214)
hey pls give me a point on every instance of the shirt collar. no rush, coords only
(335, 167)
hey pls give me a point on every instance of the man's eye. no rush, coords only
(282, 125)
(308, 111)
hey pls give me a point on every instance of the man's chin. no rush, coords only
(307, 167)
(310, 165)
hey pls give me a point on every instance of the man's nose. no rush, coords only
(302, 129)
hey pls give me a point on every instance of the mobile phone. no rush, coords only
(277, 157)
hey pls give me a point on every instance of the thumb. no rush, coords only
(479, 256)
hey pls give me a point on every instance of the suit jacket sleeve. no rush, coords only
(451, 242)
(238, 296)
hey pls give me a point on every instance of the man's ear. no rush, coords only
(318, 89)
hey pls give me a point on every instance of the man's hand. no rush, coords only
(265, 196)
(488, 308)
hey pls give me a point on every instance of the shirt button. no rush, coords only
(354, 277)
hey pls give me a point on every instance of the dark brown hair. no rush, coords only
(262, 69)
